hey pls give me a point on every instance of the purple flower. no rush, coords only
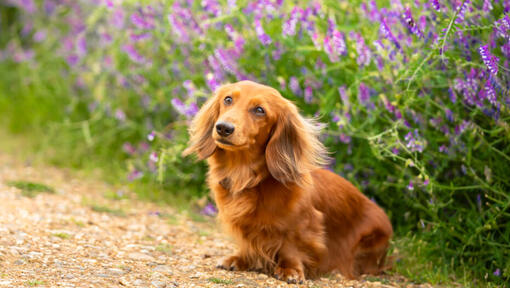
(263, 37)
(209, 210)
(81, 45)
(487, 5)
(151, 136)
(133, 54)
(409, 21)
(328, 48)
(386, 32)
(338, 43)
(435, 4)
(179, 106)
(294, 85)
(490, 61)
(308, 94)
(410, 186)
(27, 5)
(153, 157)
(289, 26)
(49, 6)
(344, 97)
(363, 94)
(414, 142)
(40, 36)
(479, 201)
(120, 115)
(461, 11)
(128, 148)
(142, 20)
(364, 53)
(135, 174)
(503, 27)
(497, 272)
(117, 18)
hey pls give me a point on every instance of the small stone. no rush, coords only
(116, 271)
(140, 256)
(164, 269)
(138, 282)
(158, 284)
(19, 262)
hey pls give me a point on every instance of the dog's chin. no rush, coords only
(227, 145)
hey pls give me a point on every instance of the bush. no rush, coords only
(416, 96)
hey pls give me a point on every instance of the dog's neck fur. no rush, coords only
(238, 170)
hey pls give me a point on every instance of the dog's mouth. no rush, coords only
(225, 142)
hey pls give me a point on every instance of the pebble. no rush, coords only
(167, 270)
(158, 284)
(140, 256)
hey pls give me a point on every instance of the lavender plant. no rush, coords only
(416, 96)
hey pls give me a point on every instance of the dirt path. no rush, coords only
(78, 237)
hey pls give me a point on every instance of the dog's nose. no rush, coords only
(224, 128)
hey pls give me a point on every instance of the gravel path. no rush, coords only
(78, 237)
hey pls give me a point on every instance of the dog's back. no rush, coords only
(357, 230)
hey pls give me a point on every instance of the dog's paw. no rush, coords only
(233, 263)
(289, 275)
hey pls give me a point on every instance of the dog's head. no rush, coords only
(247, 116)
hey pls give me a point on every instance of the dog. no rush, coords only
(290, 217)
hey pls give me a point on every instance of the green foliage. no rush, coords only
(31, 189)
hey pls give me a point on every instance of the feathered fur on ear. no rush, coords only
(294, 148)
(201, 141)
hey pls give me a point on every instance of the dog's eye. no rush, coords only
(228, 100)
(259, 111)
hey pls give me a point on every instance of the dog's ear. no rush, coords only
(294, 149)
(201, 141)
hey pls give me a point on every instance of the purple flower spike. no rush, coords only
(386, 32)
(363, 94)
(294, 85)
(435, 4)
(133, 54)
(497, 272)
(263, 37)
(308, 94)
(490, 61)
(289, 26)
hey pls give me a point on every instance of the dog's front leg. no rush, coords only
(290, 266)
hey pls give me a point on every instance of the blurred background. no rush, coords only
(415, 95)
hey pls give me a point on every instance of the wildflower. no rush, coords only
(487, 5)
(414, 143)
(461, 11)
(363, 94)
(135, 174)
(263, 37)
(316, 42)
(409, 21)
(308, 94)
(133, 54)
(143, 20)
(490, 61)
(344, 97)
(364, 54)
(128, 148)
(120, 115)
(49, 6)
(179, 105)
(410, 186)
(117, 18)
(328, 48)
(153, 157)
(209, 210)
(503, 27)
(151, 136)
(479, 201)
(435, 4)
(294, 85)
(289, 26)
(40, 35)
(497, 272)
(338, 43)
(386, 32)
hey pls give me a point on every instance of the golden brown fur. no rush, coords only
(289, 216)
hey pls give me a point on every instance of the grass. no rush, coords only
(62, 235)
(220, 281)
(106, 209)
(31, 189)
(35, 282)
(164, 248)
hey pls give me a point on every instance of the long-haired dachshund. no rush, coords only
(290, 217)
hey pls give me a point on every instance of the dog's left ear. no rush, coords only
(201, 141)
(294, 148)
